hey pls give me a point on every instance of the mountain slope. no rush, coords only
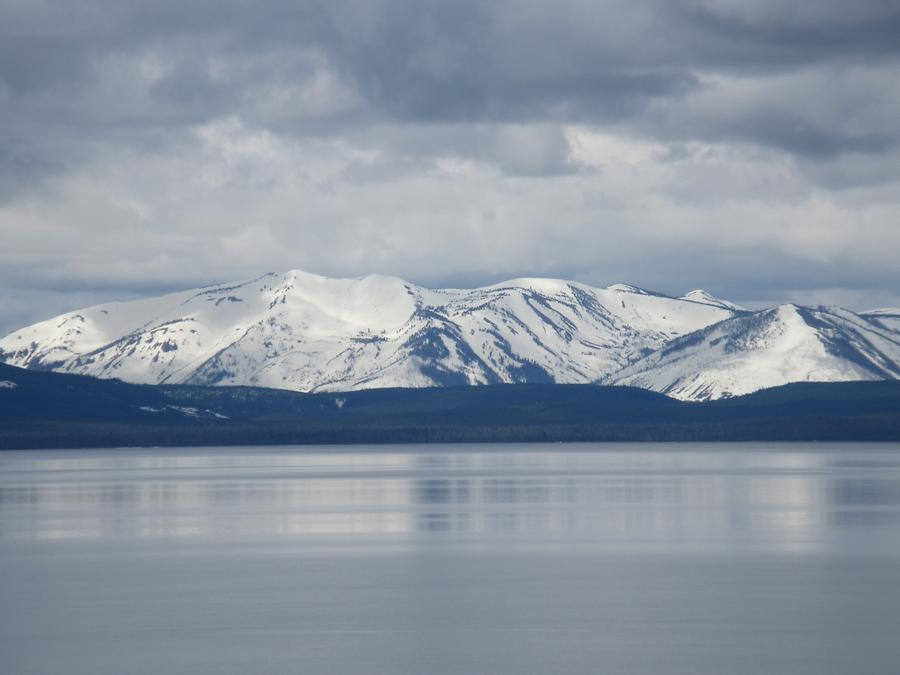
(701, 296)
(310, 333)
(888, 318)
(769, 348)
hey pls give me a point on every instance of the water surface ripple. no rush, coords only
(734, 558)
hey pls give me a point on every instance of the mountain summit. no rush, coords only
(767, 349)
(311, 333)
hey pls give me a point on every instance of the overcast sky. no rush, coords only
(749, 147)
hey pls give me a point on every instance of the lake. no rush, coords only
(495, 559)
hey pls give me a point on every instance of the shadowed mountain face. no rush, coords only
(310, 333)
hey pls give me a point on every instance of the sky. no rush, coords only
(748, 147)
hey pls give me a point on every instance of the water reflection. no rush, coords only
(792, 499)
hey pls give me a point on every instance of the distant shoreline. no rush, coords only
(50, 410)
(498, 447)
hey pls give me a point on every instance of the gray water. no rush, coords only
(514, 559)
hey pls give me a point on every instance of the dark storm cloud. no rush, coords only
(80, 65)
(614, 140)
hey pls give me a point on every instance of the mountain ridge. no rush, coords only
(307, 332)
(788, 343)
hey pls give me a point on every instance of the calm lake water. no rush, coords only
(519, 559)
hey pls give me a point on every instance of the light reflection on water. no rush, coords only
(798, 499)
(467, 560)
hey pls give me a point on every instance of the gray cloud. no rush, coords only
(749, 146)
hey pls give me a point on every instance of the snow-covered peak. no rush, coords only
(308, 332)
(768, 348)
(887, 317)
(547, 286)
(628, 288)
(699, 295)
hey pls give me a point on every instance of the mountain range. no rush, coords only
(310, 333)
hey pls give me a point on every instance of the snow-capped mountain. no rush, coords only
(311, 333)
(886, 318)
(769, 348)
(307, 332)
(699, 295)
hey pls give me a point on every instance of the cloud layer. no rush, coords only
(750, 147)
